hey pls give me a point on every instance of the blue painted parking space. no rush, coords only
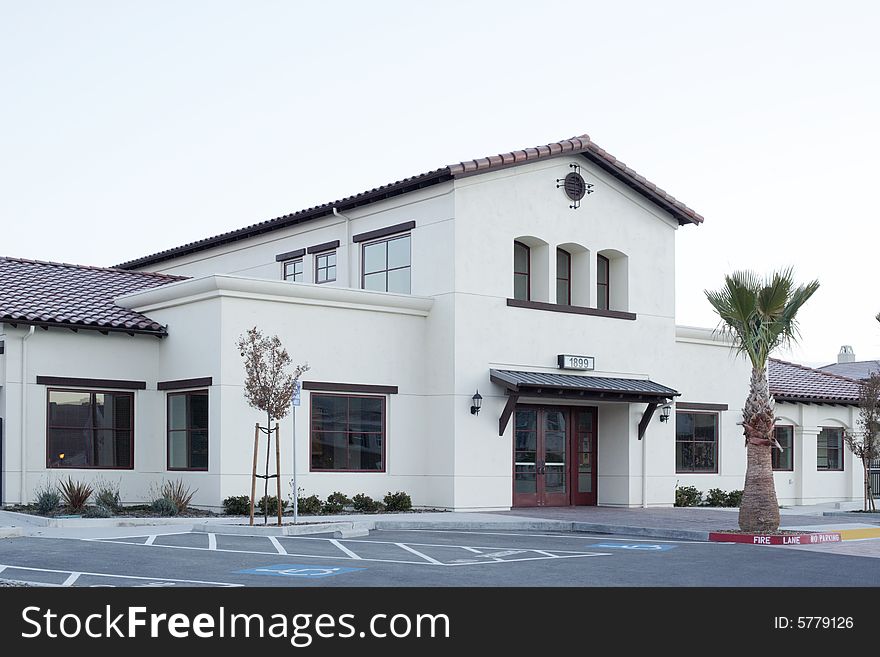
(635, 547)
(310, 571)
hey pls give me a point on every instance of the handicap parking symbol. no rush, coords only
(638, 547)
(298, 570)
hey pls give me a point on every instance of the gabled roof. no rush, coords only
(790, 382)
(47, 294)
(582, 145)
(862, 369)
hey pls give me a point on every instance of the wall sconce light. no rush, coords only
(664, 412)
(477, 400)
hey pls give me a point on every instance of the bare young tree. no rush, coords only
(268, 386)
(866, 444)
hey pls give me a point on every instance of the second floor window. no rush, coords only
(521, 283)
(563, 277)
(602, 283)
(325, 267)
(293, 270)
(387, 265)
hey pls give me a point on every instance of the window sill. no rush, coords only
(574, 310)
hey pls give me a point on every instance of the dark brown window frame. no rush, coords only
(606, 292)
(385, 240)
(567, 301)
(775, 453)
(90, 391)
(188, 430)
(527, 272)
(717, 442)
(293, 261)
(318, 267)
(840, 450)
(384, 432)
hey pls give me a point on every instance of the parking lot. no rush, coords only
(152, 557)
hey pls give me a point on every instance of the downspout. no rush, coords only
(644, 472)
(348, 267)
(23, 419)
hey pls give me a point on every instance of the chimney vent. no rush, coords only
(846, 355)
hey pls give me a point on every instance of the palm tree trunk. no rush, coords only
(759, 510)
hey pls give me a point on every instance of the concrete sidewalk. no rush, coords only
(691, 523)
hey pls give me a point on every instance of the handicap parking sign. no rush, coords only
(309, 571)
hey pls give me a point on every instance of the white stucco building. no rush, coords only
(405, 300)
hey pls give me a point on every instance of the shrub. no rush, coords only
(107, 496)
(734, 498)
(365, 503)
(178, 493)
(716, 497)
(271, 501)
(47, 500)
(75, 495)
(98, 511)
(336, 502)
(309, 506)
(398, 501)
(164, 506)
(237, 505)
(687, 496)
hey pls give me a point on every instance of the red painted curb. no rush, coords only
(807, 538)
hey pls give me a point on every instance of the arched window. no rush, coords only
(603, 283)
(521, 272)
(563, 277)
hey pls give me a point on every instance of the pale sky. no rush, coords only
(131, 127)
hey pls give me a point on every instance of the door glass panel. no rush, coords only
(555, 438)
(525, 480)
(584, 444)
(525, 469)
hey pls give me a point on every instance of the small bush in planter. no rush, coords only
(237, 505)
(107, 496)
(336, 502)
(365, 503)
(687, 496)
(716, 497)
(164, 507)
(309, 506)
(47, 501)
(271, 501)
(398, 501)
(734, 498)
(179, 493)
(75, 494)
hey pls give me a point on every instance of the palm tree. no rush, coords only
(759, 315)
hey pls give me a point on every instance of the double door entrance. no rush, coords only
(554, 456)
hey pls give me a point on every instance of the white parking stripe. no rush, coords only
(470, 549)
(138, 577)
(272, 539)
(150, 539)
(71, 579)
(353, 555)
(212, 541)
(419, 554)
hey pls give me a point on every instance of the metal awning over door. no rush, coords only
(558, 388)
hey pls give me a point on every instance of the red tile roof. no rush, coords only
(790, 382)
(48, 294)
(582, 145)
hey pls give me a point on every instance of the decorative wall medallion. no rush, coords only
(575, 186)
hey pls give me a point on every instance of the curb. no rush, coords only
(805, 538)
(10, 532)
(284, 530)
